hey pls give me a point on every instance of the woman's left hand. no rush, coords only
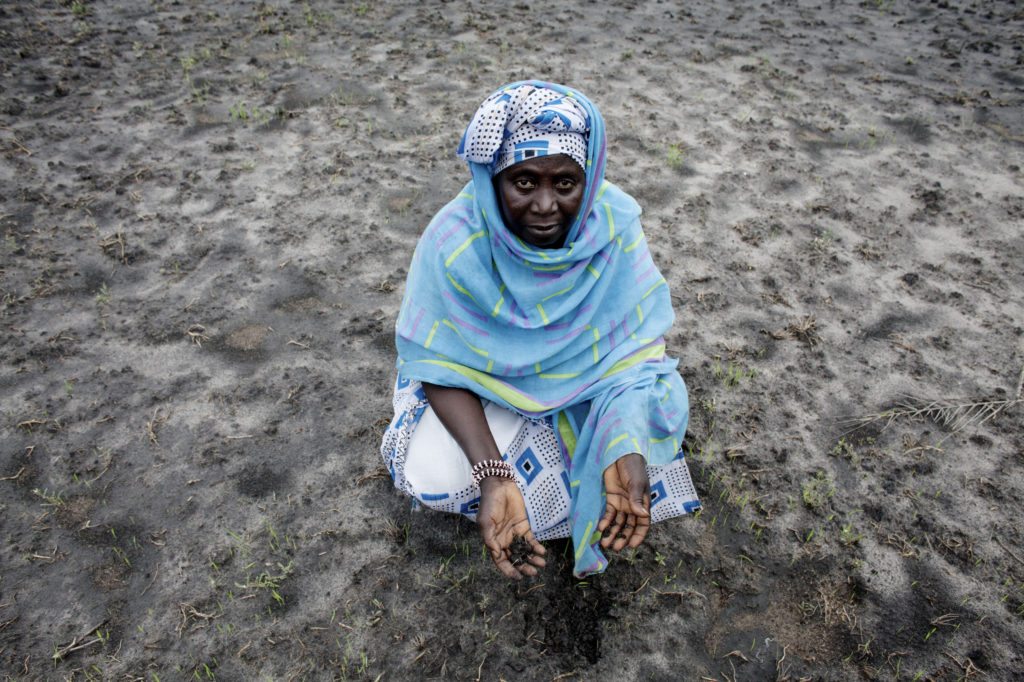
(627, 516)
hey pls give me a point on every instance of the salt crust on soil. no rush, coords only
(207, 214)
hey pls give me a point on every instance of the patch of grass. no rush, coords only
(822, 243)
(54, 499)
(849, 536)
(676, 156)
(103, 295)
(271, 582)
(817, 491)
(732, 375)
(241, 112)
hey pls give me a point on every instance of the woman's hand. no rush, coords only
(502, 518)
(627, 516)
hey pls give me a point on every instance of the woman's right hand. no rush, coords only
(502, 518)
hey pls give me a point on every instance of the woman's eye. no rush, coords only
(565, 184)
(523, 183)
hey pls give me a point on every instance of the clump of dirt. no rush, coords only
(248, 338)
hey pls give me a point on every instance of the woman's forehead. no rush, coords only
(560, 164)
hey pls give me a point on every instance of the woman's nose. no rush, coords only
(544, 202)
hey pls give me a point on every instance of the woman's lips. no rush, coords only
(543, 229)
(543, 235)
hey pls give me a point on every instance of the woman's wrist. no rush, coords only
(491, 468)
(492, 483)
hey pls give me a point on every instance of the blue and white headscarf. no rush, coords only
(525, 123)
(575, 333)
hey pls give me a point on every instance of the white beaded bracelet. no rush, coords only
(491, 467)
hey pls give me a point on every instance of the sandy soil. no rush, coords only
(207, 213)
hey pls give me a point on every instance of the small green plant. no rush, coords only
(188, 62)
(843, 448)
(54, 499)
(122, 555)
(849, 536)
(270, 582)
(732, 374)
(79, 9)
(103, 295)
(823, 242)
(241, 112)
(675, 156)
(817, 491)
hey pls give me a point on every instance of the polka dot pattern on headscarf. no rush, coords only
(524, 123)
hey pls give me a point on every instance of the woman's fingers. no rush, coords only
(643, 525)
(615, 527)
(537, 550)
(606, 520)
(504, 565)
(497, 546)
(498, 539)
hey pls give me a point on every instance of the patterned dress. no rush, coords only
(529, 445)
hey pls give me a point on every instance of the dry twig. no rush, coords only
(805, 330)
(197, 333)
(955, 415)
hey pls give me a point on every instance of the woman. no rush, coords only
(533, 389)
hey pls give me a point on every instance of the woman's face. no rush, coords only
(540, 198)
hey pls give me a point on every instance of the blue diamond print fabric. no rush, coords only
(427, 464)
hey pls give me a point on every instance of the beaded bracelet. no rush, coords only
(491, 467)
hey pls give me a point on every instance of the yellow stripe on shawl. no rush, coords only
(653, 352)
(547, 268)
(463, 195)
(500, 389)
(668, 390)
(462, 247)
(640, 313)
(566, 375)
(597, 337)
(543, 315)
(458, 287)
(600, 192)
(634, 244)
(490, 366)
(584, 543)
(675, 443)
(593, 271)
(501, 300)
(611, 221)
(478, 351)
(558, 293)
(615, 441)
(430, 336)
(565, 431)
(649, 291)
